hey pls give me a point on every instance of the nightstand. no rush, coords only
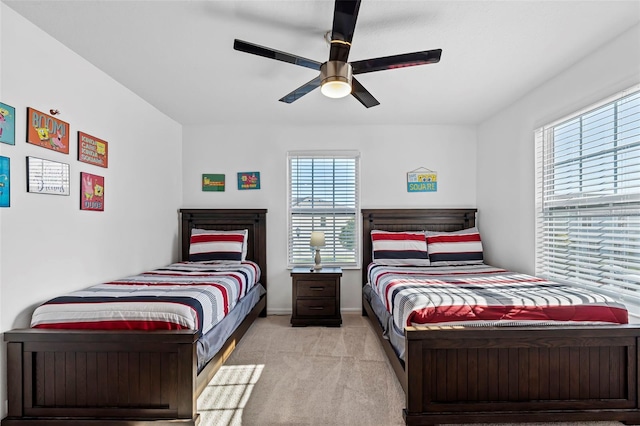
(316, 297)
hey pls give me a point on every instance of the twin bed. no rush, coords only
(456, 374)
(136, 377)
(450, 373)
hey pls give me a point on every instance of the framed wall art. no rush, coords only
(47, 177)
(7, 124)
(248, 180)
(5, 182)
(91, 192)
(422, 180)
(92, 150)
(213, 182)
(47, 131)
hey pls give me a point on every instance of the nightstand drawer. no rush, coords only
(316, 307)
(315, 288)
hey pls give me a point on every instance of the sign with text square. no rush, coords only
(92, 150)
(422, 181)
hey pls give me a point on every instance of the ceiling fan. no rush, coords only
(336, 77)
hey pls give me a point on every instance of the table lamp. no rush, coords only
(317, 241)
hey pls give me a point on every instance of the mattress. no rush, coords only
(479, 296)
(184, 295)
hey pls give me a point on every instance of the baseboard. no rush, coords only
(274, 311)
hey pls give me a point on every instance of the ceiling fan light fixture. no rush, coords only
(335, 79)
(335, 89)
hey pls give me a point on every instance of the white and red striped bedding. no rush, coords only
(485, 295)
(184, 295)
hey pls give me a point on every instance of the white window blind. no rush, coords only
(324, 196)
(588, 197)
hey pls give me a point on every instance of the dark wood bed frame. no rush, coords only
(109, 378)
(505, 374)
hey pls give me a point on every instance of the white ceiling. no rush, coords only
(179, 56)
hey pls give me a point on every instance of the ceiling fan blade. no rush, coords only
(267, 52)
(345, 15)
(360, 93)
(301, 91)
(397, 61)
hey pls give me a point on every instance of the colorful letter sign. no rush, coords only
(422, 180)
(213, 183)
(5, 181)
(47, 131)
(91, 192)
(248, 180)
(93, 150)
(7, 124)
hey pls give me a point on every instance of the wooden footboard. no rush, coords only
(507, 375)
(109, 378)
(521, 374)
(58, 375)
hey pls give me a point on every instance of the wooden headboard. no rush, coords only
(410, 220)
(254, 220)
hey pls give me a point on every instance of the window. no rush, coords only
(323, 196)
(588, 197)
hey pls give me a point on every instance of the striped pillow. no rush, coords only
(455, 248)
(399, 248)
(224, 246)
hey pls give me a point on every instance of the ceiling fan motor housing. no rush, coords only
(336, 73)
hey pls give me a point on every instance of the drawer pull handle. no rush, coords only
(316, 308)
(317, 288)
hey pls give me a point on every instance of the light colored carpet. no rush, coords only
(308, 376)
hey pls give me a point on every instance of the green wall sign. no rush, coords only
(213, 183)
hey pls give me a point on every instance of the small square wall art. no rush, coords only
(5, 182)
(91, 192)
(47, 177)
(92, 150)
(7, 124)
(47, 131)
(248, 180)
(213, 182)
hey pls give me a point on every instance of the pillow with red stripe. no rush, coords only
(223, 246)
(399, 248)
(455, 248)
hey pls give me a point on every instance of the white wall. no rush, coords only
(387, 154)
(506, 160)
(48, 245)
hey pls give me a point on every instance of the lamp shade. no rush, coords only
(317, 239)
